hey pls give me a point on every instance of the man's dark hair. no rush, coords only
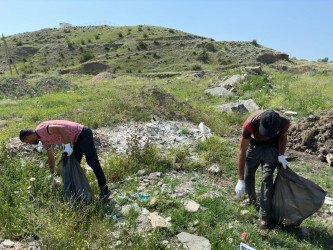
(25, 132)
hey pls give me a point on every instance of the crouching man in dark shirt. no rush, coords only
(263, 142)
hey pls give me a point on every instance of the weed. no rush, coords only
(86, 56)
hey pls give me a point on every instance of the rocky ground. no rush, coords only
(147, 189)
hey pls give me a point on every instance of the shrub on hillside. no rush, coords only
(255, 43)
(196, 67)
(323, 60)
(203, 57)
(85, 56)
(69, 43)
(141, 45)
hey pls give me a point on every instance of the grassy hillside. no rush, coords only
(152, 82)
(139, 49)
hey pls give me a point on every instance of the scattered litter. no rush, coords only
(244, 246)
(243, 236)
(144, 197)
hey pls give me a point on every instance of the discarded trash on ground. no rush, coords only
(144, 197)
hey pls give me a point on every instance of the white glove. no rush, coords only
(68, 149)
(40, 147)
(283, 161)
(240, 188)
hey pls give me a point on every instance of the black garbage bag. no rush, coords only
(295, 198)
(76, 185)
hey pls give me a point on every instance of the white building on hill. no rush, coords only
(65, 25)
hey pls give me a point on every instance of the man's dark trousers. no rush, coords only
(85, 145)
(267, 157)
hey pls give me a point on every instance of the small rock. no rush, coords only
(157, 220)
(244, 212)
(125, 209)
(290, 113)
(215, 169)
(141, 172)
(153, 201)
(8, 243)
(329, 159)
(32, 179)
(194, 242)
(328, 201)
(191, 206)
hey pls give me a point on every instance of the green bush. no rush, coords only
(196, 67)
(69, 43)
(141, 45)
(214, 150)
(203, 57)
(323, 60)
(85, 56)
(254, 42)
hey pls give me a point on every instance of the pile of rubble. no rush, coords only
(313, 135)
(164, 134)
(103, 76)
(8, 244)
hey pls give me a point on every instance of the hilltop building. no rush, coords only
(65, 25)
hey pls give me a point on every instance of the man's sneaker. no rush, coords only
(105, 194)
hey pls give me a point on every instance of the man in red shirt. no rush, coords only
(67, 132)
(263, 142)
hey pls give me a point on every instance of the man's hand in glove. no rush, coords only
(68, 149)
(283, 161)
(240, 188)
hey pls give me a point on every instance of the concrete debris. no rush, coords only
(194, 242)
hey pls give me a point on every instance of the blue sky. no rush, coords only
(300, 28)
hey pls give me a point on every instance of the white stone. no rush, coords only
(157, 220)
(194, 242)
(8, 243)
(191, 206)
(125, 209)
(329, 159)
(290, 113)
(328, 201)
(214, 169)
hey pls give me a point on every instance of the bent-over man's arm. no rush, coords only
(59, 129)
(282, 142)
(244, 145)
(51, 160)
